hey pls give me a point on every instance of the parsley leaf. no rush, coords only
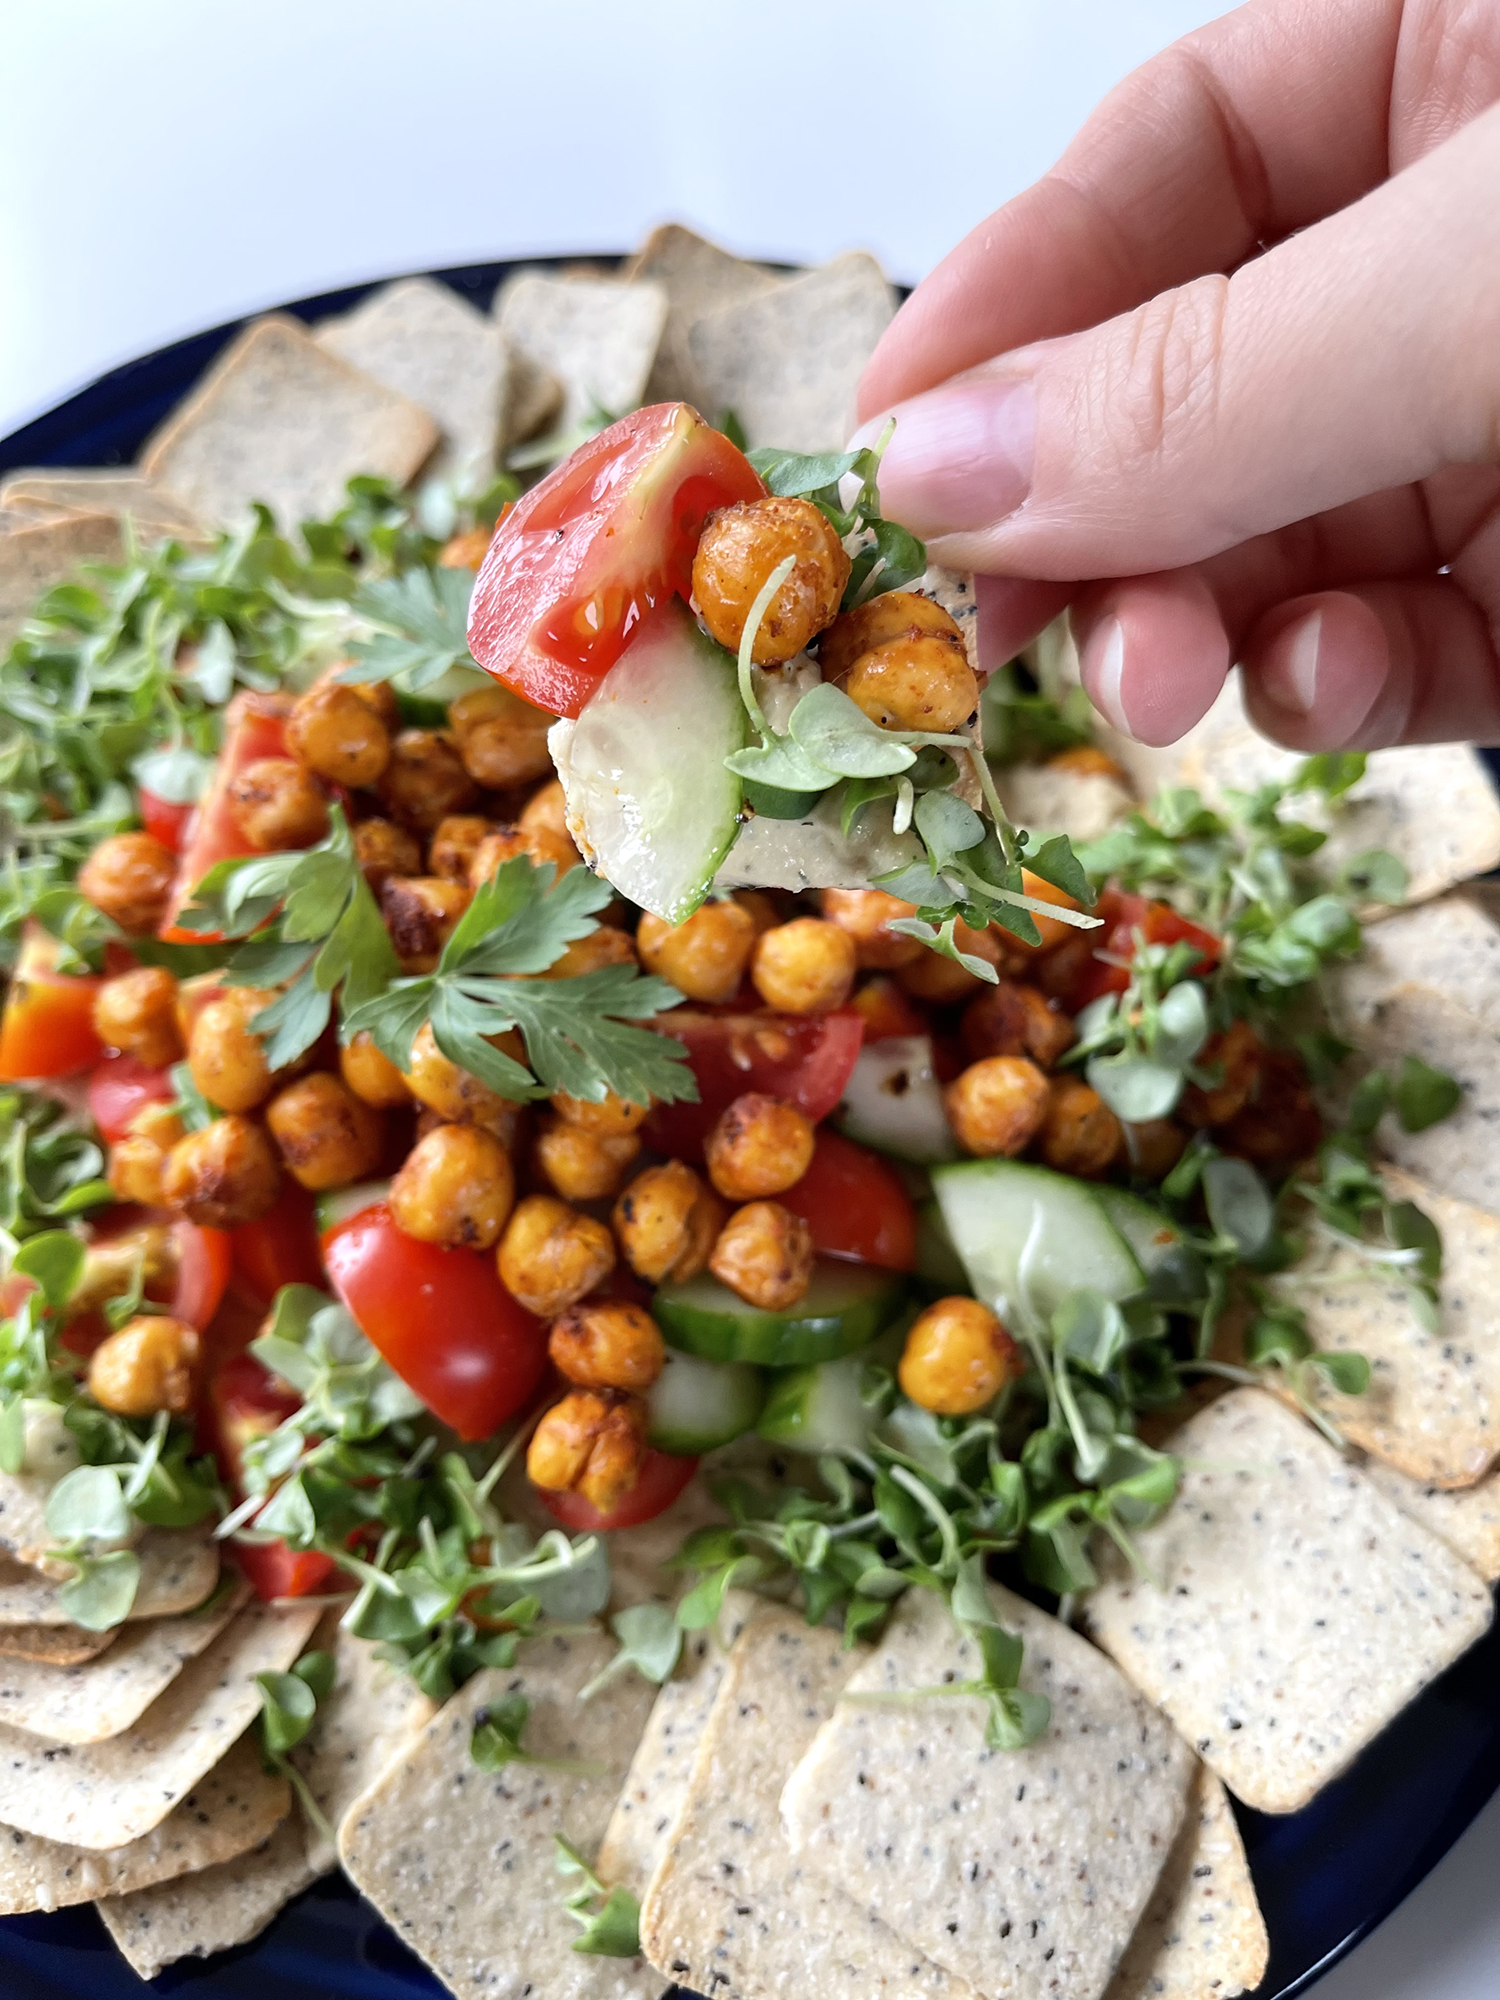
(424, 614)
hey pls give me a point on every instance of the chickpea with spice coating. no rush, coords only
(502, 740)
(425, 780)
(667, 1222)
(604, 946)
(278, 805)
(326, 1136)
(456, 1185)
(804, 967)
(337, 736)
(547, 808)
(1237, 1054)
(996, 1107)
(151, 1364)
(226, 1058)
(451, 851)
(1012, 1019)
(136, 1012)
(538, 843)
(738, 551)
(1152, 1148)
(942, 982)
(371, 1074)
(128, 878)
(592, 1443)
(582, 1165)
(1080, 1134)
(421, 913)
(880, 621)
(764, 1254)
(607, 1344)
(866, 916)
(759, 1146)
(705, 956)
(551, 1254)
(384, 849)
(138, 1162)
(957, 1358)
(611, 1118)
(914, 684)
(453, 1092)
(224, 1175)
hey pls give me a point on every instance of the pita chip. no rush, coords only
(35, 555)
(54, 1645)
(598, 336)
(1466, 1518)
(368, 1718)
(49, 493)
(179, 1568)
(697, 277)
(1450, 945)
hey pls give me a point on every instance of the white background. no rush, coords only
(168, 164)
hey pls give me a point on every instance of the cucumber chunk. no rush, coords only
(1029, 1237)
(649, 799)
(694, 1406)
(893, 1101)
(938, 1263)
(844, 1307)
(1174, 1270)
(817, 1409)
(338, 1204)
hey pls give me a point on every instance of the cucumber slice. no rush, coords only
(938, 1263)
(1029, 1237)
(696, 1405)
(648, 796)
(340, 1203)
(893, 1101)
(818, 1409)
(844, 1307)
(1174, 1270)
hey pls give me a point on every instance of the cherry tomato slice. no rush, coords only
(120, 1087)
(441, 1318)
(254, 727)
(205, 1259)
(164, 819)
(273, 1570)
(855, 1205)
(282, 1247)
(47, 1028)
(662, 1478)
(245, 1401)
(1124, 915)
(805, 1058)
(579, 560)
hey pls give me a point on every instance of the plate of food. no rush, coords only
(695, 1298)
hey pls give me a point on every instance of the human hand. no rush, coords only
(1285, 456)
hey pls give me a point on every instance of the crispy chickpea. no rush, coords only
(1153, 1148)
(1280, 1126)
(455, 1186)
(537, 843)
(581, 1165)
(421, 913)
(759, 906)
(425, 779)
(765, 1254)
(804, 967)
(592, 1444)
(455, 1093)
(1080, 1134)
(997, 1106)
(501, 739)
(605, 946)
(338, 736)
(611, 1118)
(277, 804)
(1012, 1019)
(149, 1365)
(136, 1012)
(384, 849)
(957, 1358)
(551, 1255)
(1238, 1055)
(1058, 973)
(224, 1175)
(1086, 760)
(371, 1075)
(326, 1136)
(866, 915)
(465, 550)
(607, 1344)
(667, 1222)
(451, 851)
(226, 1057)
(129, 878)
(737, 552)
(138, 1162)
(705, 956)
(942, 982)
(547, 808)
(914, 684)
(759, 1145)
(880, 621)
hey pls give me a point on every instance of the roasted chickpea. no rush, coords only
(129, 879)
(607, 1344)
(804, 967)
(765, 1254)
(455, 1186)
(914, 684)
(667, 1222)
(957, 1358)
(224, 1175)
(384, 849)
(421, 913)
(326, 1136)
(1086, 760)
(465, 550)
(997, 1106)
(758, 1146)
(705, 956)
(501, 739)
(551, 1255)
(451, 851)
(1015, 1020)
(879, 621)
(1237, 1054)
(1080, 1134)
(589, 1443)
(581, 1165)
(1280, 1126)
(611, 1118)
(759, 906)
(547, 808)
(136, 1012)
(537, 843)
(942, 982)
(866, 915)
(138, 1162)
(455, 1093)
(378, 695)
(425, 780)
(1153, 1148)
(226, 1057)
(605, 946)
(149, 1365)
(278, 804)
(737, 552)
(372, 1076)
(338, 736)
(885, 1009)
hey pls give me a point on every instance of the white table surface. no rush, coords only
(168, 164)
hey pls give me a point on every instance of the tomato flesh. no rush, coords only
(580, 559)
(855, 1205)
(661, 1479)
(164, 819)
(1123, 916)
(205, 1260)
(273, 1570)
(254, 727)
(245, 1402)
(120, 1087)
(47, 1028)
(441, 1318)
(805, 1058)
(282, 1247)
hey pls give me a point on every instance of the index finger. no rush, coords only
(1253, 127)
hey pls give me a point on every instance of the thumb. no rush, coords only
(1362, 354)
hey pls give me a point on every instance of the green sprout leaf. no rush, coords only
(1423, 1095)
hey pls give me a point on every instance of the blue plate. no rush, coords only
(1325, 1877)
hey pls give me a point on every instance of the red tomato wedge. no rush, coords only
(164, 819)
(662, 1478)
(254, 727)
(579, 561)
(47, 1028)
(855, 1205)
(205, 1260)
(441, 1318)
(245, 1402)
(119, 1088)
(282, 1247)
(1123, 916)
(805, 1058)
(273, 1570)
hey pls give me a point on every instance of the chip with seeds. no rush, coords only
(1292, 1610)
(49, 493)
(179, 1568)
(598, 336)
(1468, 1519)
(368, 1718)
(697, 277)
(35, 555)
(54, 1645)
(1451, 945)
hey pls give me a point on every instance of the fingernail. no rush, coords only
(960, 456)
(1103, 670)
(1297, 683)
